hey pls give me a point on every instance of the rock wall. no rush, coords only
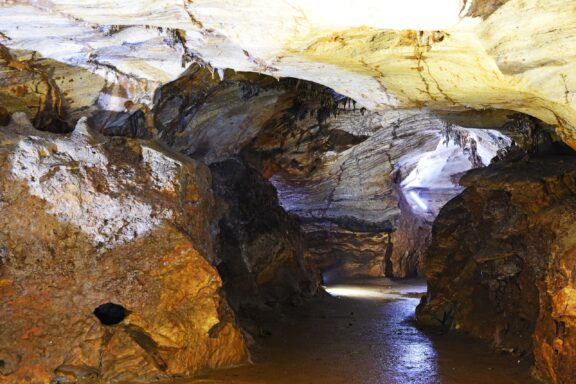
(336, 176)
(502, 262)
(293, 130)
(409, 242)
(210, 118)
(349, 179)
(260, 247)
(309, 140)
(87, 221)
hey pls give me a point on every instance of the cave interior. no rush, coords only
(217, 191)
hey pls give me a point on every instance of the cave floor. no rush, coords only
(366, 334)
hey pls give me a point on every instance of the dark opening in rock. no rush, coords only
(4, 117)
(110, 313)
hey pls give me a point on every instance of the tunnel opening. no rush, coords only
(110, 313)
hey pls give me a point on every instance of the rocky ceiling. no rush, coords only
(446, 54)
(250, 92)
(408, 70)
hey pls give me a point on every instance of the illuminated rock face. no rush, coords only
(332, 164)
(501, 265)
(87, 221)
(351, 180)
(337, 177)
(472, 54)
(366, 184)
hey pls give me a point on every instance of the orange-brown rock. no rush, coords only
(87, 221)
(502, 263)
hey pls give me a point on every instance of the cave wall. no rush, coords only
(406, 256)
(315, 146)
(260, 248)
(85, 221)
(348, 179)
(300, 135)
(236, 250)
(332, 154)
(332, 164)
(210, 118)
(331, 159)
(501, 263)
(343, 189)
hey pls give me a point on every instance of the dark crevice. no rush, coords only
(110, 313)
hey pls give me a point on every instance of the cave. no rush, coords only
(288, 192)
(110, 313)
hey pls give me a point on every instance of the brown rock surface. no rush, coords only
(86, 221)
(502, 262)
(260, 247)
(407, 256)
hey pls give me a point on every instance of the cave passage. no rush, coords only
(364, 331)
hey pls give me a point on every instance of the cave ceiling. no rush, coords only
(446, 55)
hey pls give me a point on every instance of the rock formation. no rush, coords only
(501, 263)
(238, 148)
(87, 221)
(472, 54)
(260, 248)
(347, 177)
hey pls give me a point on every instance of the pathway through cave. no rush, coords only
(364, 333)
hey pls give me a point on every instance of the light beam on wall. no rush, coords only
(418, 200)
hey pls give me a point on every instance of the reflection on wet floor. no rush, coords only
(414, 358)
(364, 333)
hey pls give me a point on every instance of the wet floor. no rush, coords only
(365, 334)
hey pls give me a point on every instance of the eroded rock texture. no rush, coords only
(210, 118)
(295, 130)
(336, 176)
(497, 54)
(349, 179)
(502, 262)
(260, 247)
(86, 221)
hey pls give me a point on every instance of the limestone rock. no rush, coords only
(330, 160)
(501, 263)
(449, 54)
(212, 118)
(260, 248)
(353, 194)
(87, 221)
